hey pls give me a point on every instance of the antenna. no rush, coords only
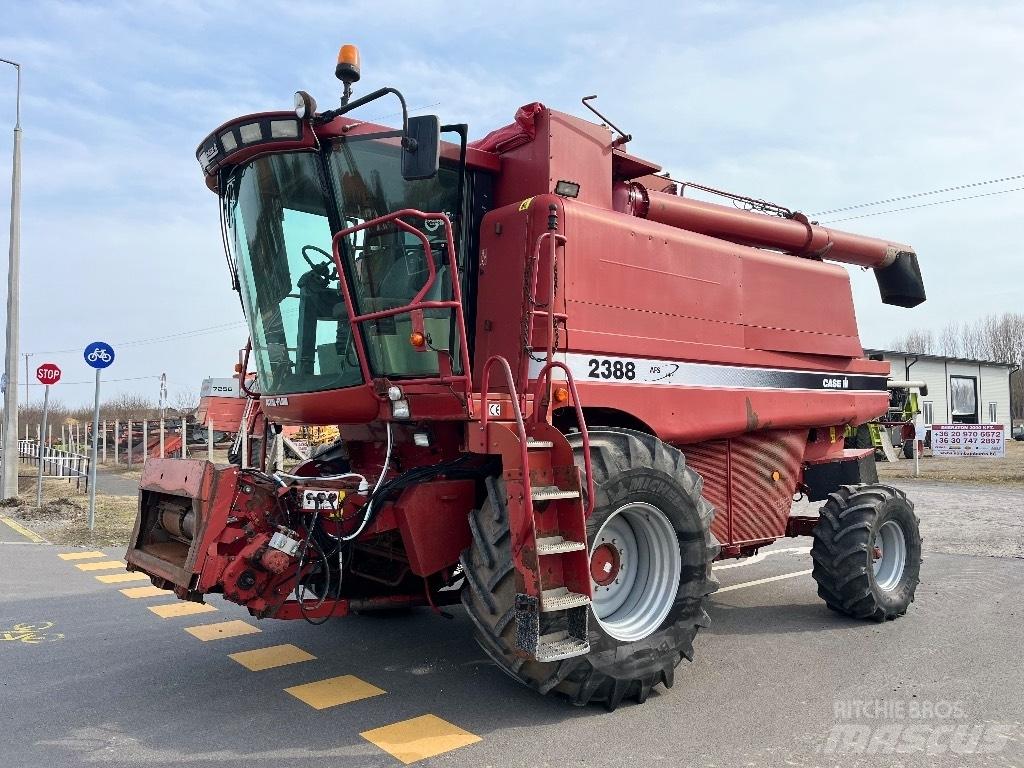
(623, 137)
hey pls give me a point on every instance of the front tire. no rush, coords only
(636, 478)
(867, 552)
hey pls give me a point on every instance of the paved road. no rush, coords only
(116, 483)
(778, 680)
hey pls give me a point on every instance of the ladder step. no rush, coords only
(556, 545)
(560, 645)
(551, 492)
(532, 444)
(561, 599)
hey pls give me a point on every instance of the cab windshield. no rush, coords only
(282, 219)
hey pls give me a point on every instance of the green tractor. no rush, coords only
(894, 435)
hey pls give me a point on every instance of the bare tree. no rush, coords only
(186, 401)
(916, 341)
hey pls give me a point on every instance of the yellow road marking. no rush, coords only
(105, 565)
(268, 658)
(183, 608)
(760, 581)
(120, 578)
(32, 536)
(30, 633)
(419, 738)
(222, 629)
(334, 691)
(149, 591)
(79, 555)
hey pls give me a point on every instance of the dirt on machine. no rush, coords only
(563, 389)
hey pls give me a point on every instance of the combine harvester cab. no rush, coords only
(562, 391)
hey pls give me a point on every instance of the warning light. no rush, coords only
(348, 64)
(417, 339)
(776, 475)
(561, 395)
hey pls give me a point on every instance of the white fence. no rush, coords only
(57, 463)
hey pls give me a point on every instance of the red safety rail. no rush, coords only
(245, 369)
(516, 409)
(417, 304)
(540, 407)
(555, 240)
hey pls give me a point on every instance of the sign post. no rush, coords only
(48, 374)
(98, 355)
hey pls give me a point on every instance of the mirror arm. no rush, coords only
(408, 143)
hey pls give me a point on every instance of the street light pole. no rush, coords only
(9, 476)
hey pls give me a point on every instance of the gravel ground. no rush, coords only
(961, 519)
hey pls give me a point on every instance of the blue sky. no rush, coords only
(813, 105)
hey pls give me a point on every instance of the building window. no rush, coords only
(927, 410)
(963, 399)
(993, 409)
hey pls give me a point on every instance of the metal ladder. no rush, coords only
(547, 522)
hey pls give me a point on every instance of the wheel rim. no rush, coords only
(889, 554)
(635, 566)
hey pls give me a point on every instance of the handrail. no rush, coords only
(556, 241)
(545, 374)
(242, 373)
(520, 424)
(417, 303)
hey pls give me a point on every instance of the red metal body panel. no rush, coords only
(224, 412)
(431, 518)
(750, 480)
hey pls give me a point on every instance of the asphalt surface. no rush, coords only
(91, 677)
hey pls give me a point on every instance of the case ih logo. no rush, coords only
(835, 383)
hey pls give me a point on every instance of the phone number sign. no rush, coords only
(968, 440)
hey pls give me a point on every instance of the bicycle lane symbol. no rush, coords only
(32, 634)
(98, 354)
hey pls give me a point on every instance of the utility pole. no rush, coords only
(9, 476)
(26, 355)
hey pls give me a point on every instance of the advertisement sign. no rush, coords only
(968, 440)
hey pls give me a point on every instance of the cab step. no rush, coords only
(557, 545)
(551, 492)
(561, 599)
(560, 645)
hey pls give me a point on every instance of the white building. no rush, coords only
(959, 390)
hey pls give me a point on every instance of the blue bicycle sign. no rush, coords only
(99, 354)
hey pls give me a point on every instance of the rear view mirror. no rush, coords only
(421, 161)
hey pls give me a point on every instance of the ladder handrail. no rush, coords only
(520, 423)
(531, 296)
(540, 405)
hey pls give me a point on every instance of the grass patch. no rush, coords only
(63, 517)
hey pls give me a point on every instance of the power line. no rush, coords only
(155, 339)
(918, 194)
(926, 205)
(92, 381)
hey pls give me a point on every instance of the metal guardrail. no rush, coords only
(57, 463)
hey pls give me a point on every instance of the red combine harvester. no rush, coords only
(563, 390)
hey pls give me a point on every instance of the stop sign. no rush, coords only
(48, 373)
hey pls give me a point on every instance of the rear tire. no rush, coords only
(630, 468)
(867, 552)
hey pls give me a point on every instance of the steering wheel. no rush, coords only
(321, 251)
